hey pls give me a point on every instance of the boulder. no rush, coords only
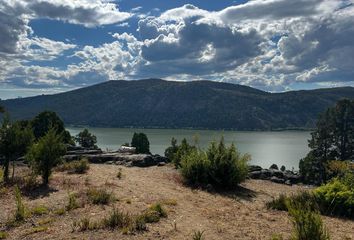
(277, 180)
(277, 173)
(255, 174)
(254, 168)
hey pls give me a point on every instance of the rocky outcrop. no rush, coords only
(118, 158)
(274, 175)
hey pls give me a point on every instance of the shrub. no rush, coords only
(337, 197)
(276, 237)
(59, 211)
(119, 173)
(195, 168)
(72, 204)
(307, 223)
(306, 198)
(182, 150)
(228, 167)
(1, 175)
(282, 168)
(30, 182)
(20, 213)
(85, 224)
(220, 166)
(78, 166)
(45, 154)
(99, 196)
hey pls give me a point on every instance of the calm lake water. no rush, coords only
(282, 148)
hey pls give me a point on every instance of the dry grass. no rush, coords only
(233, 215)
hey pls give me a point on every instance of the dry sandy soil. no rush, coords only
(234, 215)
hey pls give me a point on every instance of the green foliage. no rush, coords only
(171, 150)
(279, 203)
(1, 175)
(99, 196)
(141, 143)
(47, 120)
(157, 207)
(282, 168)
(195, 168)
(118, 219)
(20, 213)
(307, 223)
(39, 210)
(276, 237)
(333, 139)
(77, 166)
(45, 154)
(72, 203)
(198, 235)
(14, 142)
(337, 196)
(220, 166)
(86, 139)
(3, 235)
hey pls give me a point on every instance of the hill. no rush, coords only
(167, 104)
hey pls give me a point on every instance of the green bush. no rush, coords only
(78, 166)
(157, 207)
(86, 139)
(337, 197)
(39, 210)
(223, 167)
(195, 168)
(118, 219)
(279, 203)
(307, 223)
(198, 235)
(99, 196)
(3, 235)
(141, 143)
(72, 203)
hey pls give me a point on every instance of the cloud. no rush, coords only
(270, 44)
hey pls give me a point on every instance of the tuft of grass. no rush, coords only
(169, 202)
(20, 213)
(39, 210)
(150, 216)
(280, 203)
(198, 235)
(276, 237)
(99, 196)
(119, 173)
(72, 203)
(1, 176)
(78, 166)
(118, 220)
(45, 221)
(59, 211)
(37, 230)
(86, 224)
(157, 207)
(30, 182)
(3, 235)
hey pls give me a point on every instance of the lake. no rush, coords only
(282, 148)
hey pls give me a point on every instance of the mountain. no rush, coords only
(167, 104)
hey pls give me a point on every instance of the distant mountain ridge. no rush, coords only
(166, 104)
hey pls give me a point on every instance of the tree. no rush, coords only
(46, 153)
(47, 120)
(14, 142)
(333, 139)
(141, 143)
(86, 139)
(171, 151)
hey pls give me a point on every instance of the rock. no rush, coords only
(266, 174)
(125, 149)
(274, 166)
(293, 178)
(255, 174)
(288, 182)
(277, 180)
(254, 168)
(110, 162)
(161, 164)
(277, 173)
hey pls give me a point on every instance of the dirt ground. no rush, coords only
(233, 215)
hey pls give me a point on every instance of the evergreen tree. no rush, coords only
(171, 151)
(46, 153)
(141, 143)
(86, 139)
(333, 139)
(14, 142)
(47, 120)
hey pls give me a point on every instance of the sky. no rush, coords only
(50, 46)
